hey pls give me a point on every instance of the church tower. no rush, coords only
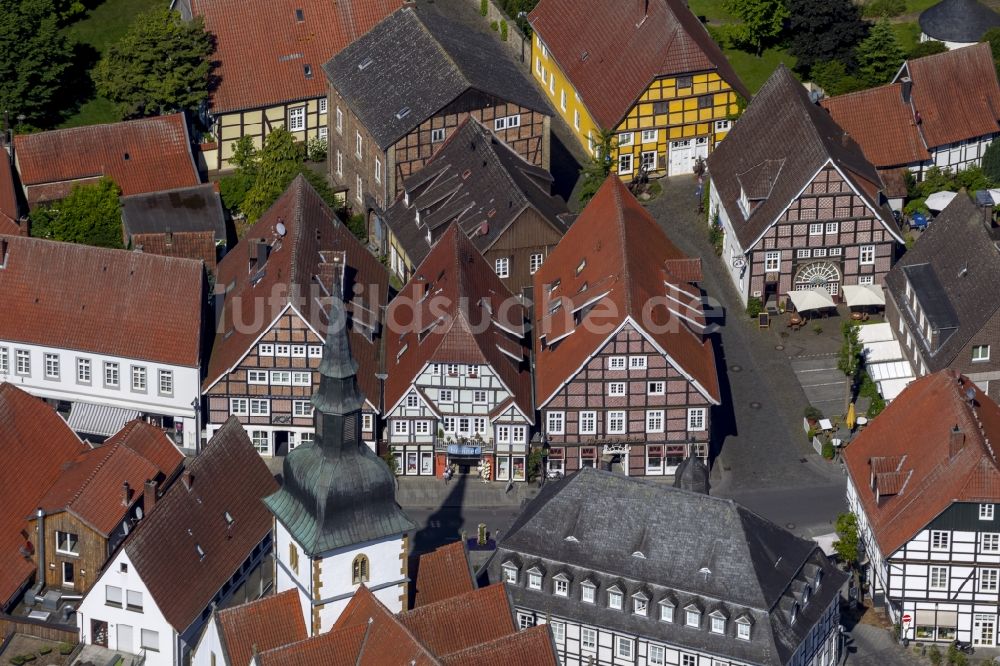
(336, 521)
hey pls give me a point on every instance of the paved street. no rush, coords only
(825, 387)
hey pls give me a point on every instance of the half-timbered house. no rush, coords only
(272, 288)
(648, 72)
(625, 376)
(797, 202)
(652, 575)
(459, 384)
(500, 201)
(923, 481)
(398, 92)
(267, 58)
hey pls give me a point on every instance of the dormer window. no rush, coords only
(794, 614)
(666, 610)
(744, 203)
(615, 598)
(805, 596)
(588, 592)
(534, 579)
(718, 623)
(692, 617)
(640, 604)
(561, 585)
(818, 579)
(509, 573)
(743, 628)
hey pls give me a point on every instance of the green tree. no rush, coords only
(992, 37)
(90, 215)
(823, 31)
(922, 49)
(850, 350)
(991, 162)
(847, 545)
(160, 65)
(833, 78)
(879, 56)
(34, 59)
(599, 166)
(761, 20)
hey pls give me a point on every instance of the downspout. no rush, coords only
(40, 549)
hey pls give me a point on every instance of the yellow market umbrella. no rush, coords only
(851, 417)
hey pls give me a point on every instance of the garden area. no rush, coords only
(23, 649)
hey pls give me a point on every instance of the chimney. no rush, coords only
(3, 253)
(956, 441)
(148, 496)
(126, 494)
(40, 547)
(187, 479)
(906, 88)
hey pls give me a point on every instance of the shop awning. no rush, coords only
(891, 388)
(465, 451)
(811, 299)
(863, 295)
(875, 333)
(100, 420)
(885, 350)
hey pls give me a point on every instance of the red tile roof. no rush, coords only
(262, 48)
(531, 647)
(443, 573)
(881, 123)
(228, 477)
(91, 487)
(146, 155)
(66, 296)
(907, 449)
(261, 625)
(462, 621)
(447, 326)
(36, 444)
(9, 217)
(198, 245)
(616, 252)
(312, 235)
(611, 53)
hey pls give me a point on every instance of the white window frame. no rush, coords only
(656, 388)
(655, 421)
(22, 362)
(4, 361)
(323, 105)
(358, 144)
(940, 540)
(412, 402)
(296, 119)
(625, 139)
(866, 255)
(139, 380)
(616, 363)
(692, 617)
(625, 163)
(989, 542)
(422, 427)
(866, 279)
(535, 262)
(339, 121)
(400, 427)
(558, 631)
(624, 647)
(340, 163)
(742, 630)
(437, 135)
(359, 187)
(555, 423)
(83, 371)
(696, 419)
(717, 625)
(723, 125)
(656, 655)
(832, 227)
(73, 541)
(560, 587)
(650, 135)
(378, 170)
(588, 423)
(502, 267)
(302, 408)
(986, 512)
(980, 353)
(637, 363)
(239, 406)
(614, 416)
(576, 119)
(257, 377)
(588, 639)
(51, 365)
(534, 580)
(647, 159)
(640, 606)
(616, 389)
(772, 262)
(937, 578)
(149, 640)
(510, 573)
(616, 600)
(989, 580)
(112, 374)
(588, 592)
(260, 407)
(816, 229)
(803, 253)
(666, 612)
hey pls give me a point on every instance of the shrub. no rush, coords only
(356, 223)
(716, 236)
(484, 7)
(754, 307)
(494, 26)
(317, 149)
(45, 650)
(66, 648)
(17, 660)
(812, 413)
(503, 30)
(934, 654)
(817, 329)
(991, 162)
(961, 659)
(828, 450)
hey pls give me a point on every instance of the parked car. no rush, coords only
(919, 221)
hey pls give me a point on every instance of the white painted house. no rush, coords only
(202, 544)
(924, 484)
(110, 335)
(235, 634)
(459, 387)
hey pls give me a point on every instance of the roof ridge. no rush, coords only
(93, 473)
(441, 49)
(397, 619)
(626, 279)
(297, 235)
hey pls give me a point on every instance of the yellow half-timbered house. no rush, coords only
(646, 70)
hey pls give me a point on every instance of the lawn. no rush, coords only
(712, 10)
(907, 34)
(755, 71)
(103, 25)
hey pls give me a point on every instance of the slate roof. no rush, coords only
(961, 21)
(262, 48)
(953, 268)
(65, 296)
(443, 573)
(422, 61)
(228, 476)
(260, 625)
(626, 261)
(32, 437)
(197, 208)
(439, 316)
(475, 180)
(755, 569)
(782, 124)
(611, 51)
(313, 238)
(145, 155)
(91, 486)
(907, 449)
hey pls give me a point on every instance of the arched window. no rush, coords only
(359, 570)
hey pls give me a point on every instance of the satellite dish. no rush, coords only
(280, 229)
(125, 528)
(138, 512)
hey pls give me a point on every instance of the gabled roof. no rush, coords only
(9, 214)
(612, 51)
(953, 269)
(443, 573)
(909, 451)
(422, 61)
(145, 155)
(477, 181)
(782, 124)
(698, 550)
(882, 124)
(479, 313)
(960, 21)
(36, 443)
(96, 300)
(299, 270)
(197, 208)
(198, 245)
(260, 625)
(91, 486)
(262, 46)
(956, 94)
(616, 253)
(228, 477)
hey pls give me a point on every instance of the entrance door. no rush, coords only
(125, 638)
(681, 157)
(984, 630)
(700, 149)
(280, 442)
(68, 578)
(99, 633)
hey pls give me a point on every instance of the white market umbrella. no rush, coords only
(995, 195)
(863, 295)
(939, 200)
(816, 298)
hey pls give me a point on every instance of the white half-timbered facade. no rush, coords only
(926, 508)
